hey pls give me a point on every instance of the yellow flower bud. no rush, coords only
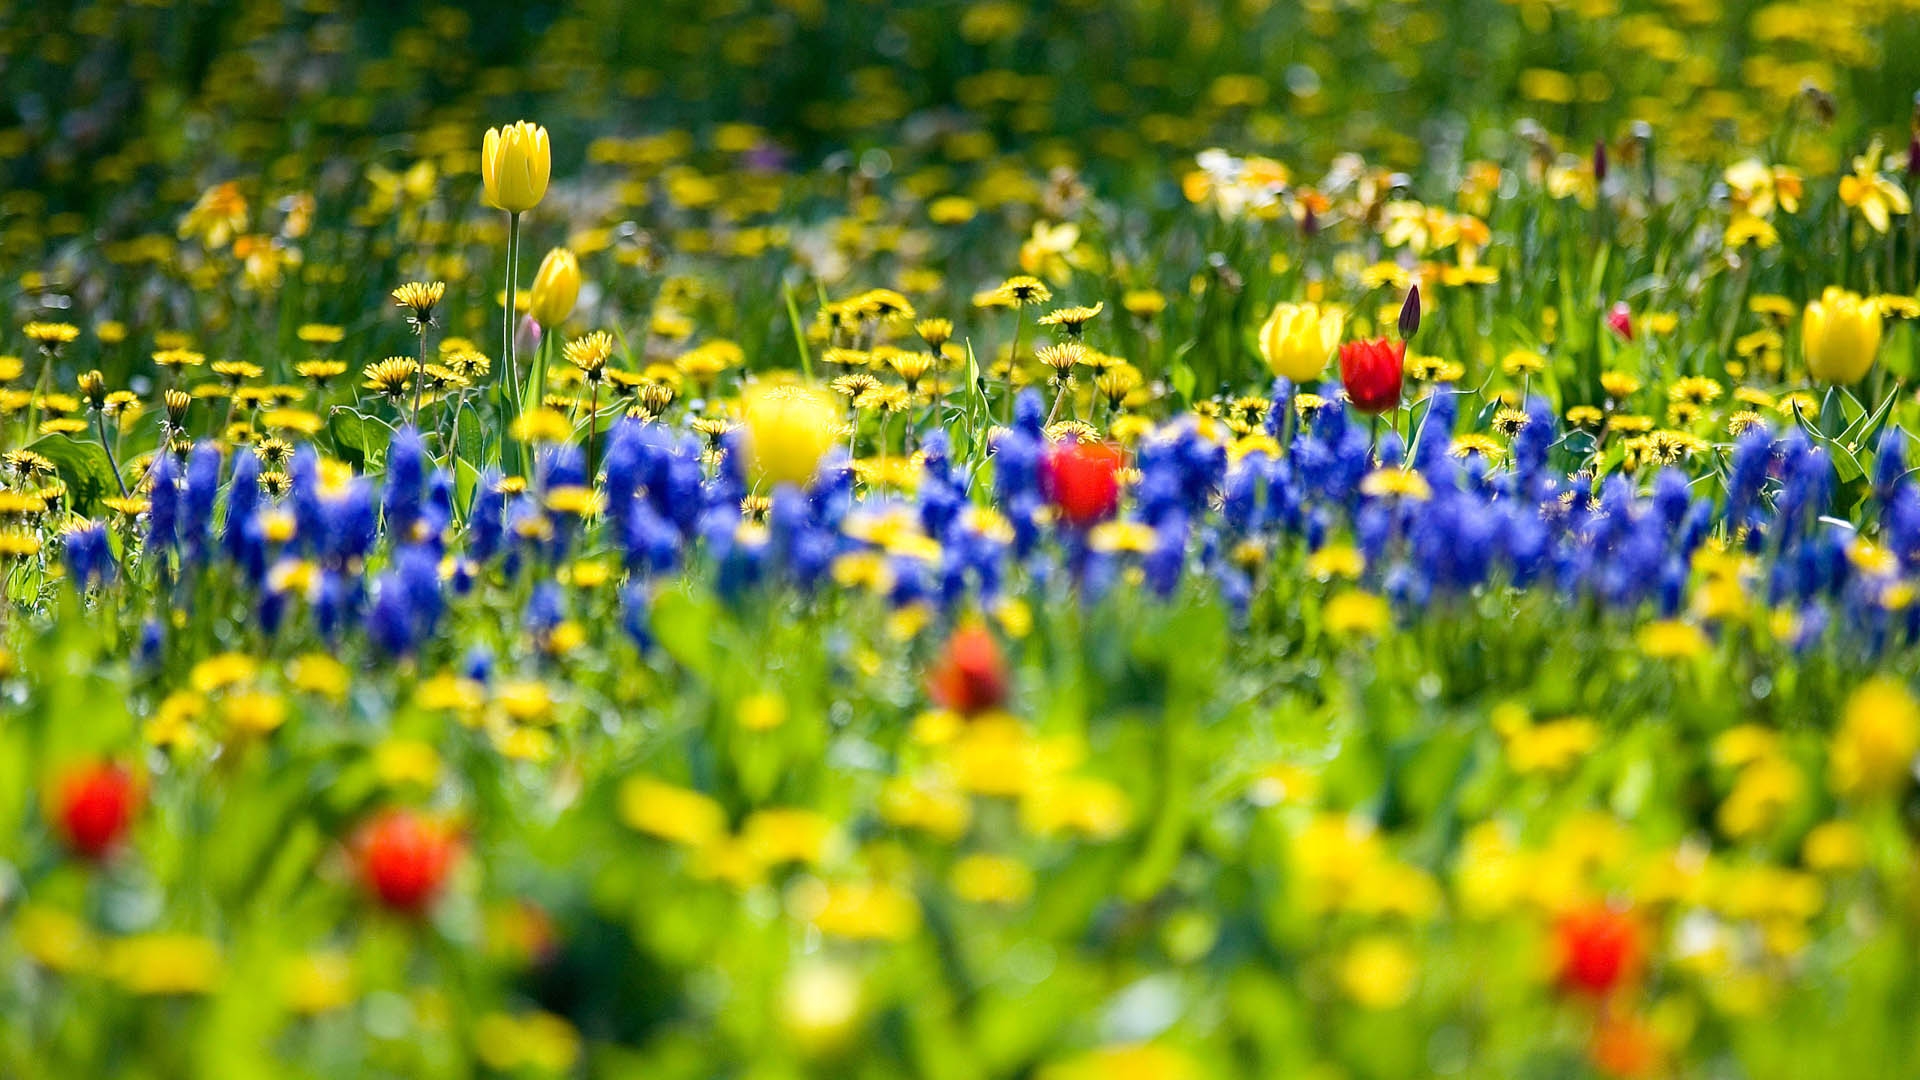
(789, 428)
(514, 164)
(555, 288)
(1298, 339)
(1840, 335)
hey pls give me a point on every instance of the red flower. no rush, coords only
(1081, 481)
(1371, 371)
(1600, 949)
(1620, 320)
(94, 805)
(971, 676)
(1625, 1047)
(404, 859)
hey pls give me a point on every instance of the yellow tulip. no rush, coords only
(789, 428)
(1298, 339)
(556, 286)
(515, 162)
(1840, 335)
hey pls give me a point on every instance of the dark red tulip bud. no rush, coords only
(1082, 481)
(1620, 320)
(1310, 224)
(971, 675)
(1410, 314)
(1599, 949)
(405, 858)
(1913, 157)
(1599, 161)
(1372, 371)
(94, 806)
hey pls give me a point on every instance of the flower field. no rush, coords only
(965, 539)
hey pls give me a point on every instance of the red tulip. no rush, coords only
(971, 675)
(1600, 949)
(1620, 320)
(1082, 482)
(1372, 371)
(404, 859)
(94, 805)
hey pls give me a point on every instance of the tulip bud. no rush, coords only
(1913, 158)
(1410, 314)
(1840, 335)
(1599, 161)
(788, 429)
(1372, 372)
(515, 162)
(1081, 481)
(971, 675)
(404, 859)
(1310, 224)
(93, 806)
(526, 335)
(556, 287)
(1620, 320)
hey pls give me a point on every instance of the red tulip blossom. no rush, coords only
(1372, 371)
(1082, 481)
(971, 675)
(404, 859)
(1620, 320)
(1600, 949)
(94, 805)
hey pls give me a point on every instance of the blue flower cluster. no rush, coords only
(1429, 522)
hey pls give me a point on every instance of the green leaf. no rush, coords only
(357, 437)
(83, 466)
(683, 624)
(1183, 380)
(466, 437)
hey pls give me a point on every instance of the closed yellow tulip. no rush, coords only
(1298, 339)
(515, 162)
(1840, 335)
(556, 286)
(789, 428)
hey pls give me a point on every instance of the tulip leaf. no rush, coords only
(83, 467)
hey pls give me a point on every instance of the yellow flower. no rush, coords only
(515, 162)
(1379, 972)
(1875, 196)
(1834, 845)
(165, 963)
(1840, 335)
(789, 428)
(1143, 1061)
(317, 982)
(55, 939)
(1356, 613)
(556, 287)
(671, 813)
(319, 673)
(866, 911)
(539, 1042)
(1879, 734)
(992, 879)
(1297, 339)
(407, 762)
(1670, 639)
(254, 712)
